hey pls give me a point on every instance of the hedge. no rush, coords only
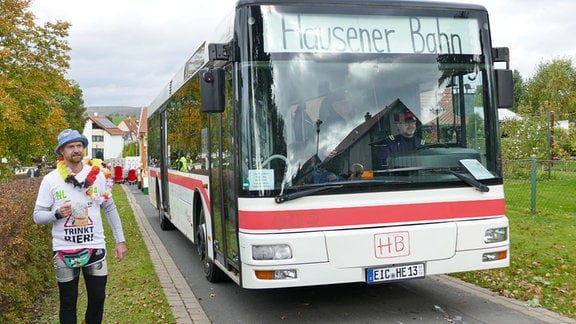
(25, 251)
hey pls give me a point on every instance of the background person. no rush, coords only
(99, 158)
(70, 198)
(183, 163)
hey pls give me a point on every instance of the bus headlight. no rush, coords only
(276, 274)
(271, 252)
(493, 235)
(494, 256)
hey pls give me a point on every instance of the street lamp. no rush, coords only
(437, 111)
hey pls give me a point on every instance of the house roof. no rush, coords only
(105, 124)
(132, 125)
(362, 129)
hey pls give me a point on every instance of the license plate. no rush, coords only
(407, 271)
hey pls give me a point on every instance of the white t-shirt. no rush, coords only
(76, 232)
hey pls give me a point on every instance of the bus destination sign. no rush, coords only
(329, 33)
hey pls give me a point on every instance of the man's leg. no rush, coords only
(96, 291)
(68, 298)
(68, 287)
(95, 277)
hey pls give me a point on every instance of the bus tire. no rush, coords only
(211, 271)
(165, 223)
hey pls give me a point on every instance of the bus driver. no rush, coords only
(405, 141)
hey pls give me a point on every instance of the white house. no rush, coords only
(103, 137)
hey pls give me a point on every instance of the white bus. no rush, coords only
(276, 148)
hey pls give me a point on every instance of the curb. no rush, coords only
(540, 313)
(184, 305)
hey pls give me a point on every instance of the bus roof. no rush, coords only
(399, 3)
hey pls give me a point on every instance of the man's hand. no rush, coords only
(120, 251)
(65, 209)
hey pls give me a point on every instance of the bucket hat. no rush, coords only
(68, 136)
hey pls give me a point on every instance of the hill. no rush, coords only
(119, 111)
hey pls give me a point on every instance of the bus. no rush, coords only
(272, 149)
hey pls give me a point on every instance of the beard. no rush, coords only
(76, 158)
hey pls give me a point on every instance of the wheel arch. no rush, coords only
(196, 210)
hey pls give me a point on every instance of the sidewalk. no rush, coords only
(185, 306)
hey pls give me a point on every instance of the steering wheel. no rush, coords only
(275, 156)
(432, 145)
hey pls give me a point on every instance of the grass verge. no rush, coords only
(542, 268)
(133, 292)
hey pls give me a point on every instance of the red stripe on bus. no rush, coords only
(189, 183)
(353, 216)
(186, 182)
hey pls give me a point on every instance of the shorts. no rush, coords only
(66, 274)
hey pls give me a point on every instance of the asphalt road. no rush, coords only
(436, 299)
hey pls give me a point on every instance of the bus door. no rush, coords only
(164, 164)
(223, 191)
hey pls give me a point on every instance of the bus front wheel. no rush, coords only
(211, 271)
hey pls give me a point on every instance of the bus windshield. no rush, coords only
(364, 98)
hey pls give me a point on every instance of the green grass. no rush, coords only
(542, 270)
(133, 292)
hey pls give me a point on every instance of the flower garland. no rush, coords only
(96, 165)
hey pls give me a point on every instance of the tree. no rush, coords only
(519, 89)
(553, 88)
(33, 61)
(73, 105)
(130, 149)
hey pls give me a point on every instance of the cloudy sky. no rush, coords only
(125, 51)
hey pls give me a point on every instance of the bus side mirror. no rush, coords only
(505, 88)
(212, 90)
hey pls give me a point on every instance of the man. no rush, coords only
(183, 163)
(70, 198)
(404, 141)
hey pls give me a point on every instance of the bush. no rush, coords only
(26, 253)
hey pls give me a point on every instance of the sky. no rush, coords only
(125, 51)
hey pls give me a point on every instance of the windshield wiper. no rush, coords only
(307, 192)
(298, 194)
(470, 181)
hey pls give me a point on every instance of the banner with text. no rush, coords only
(324, 33)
